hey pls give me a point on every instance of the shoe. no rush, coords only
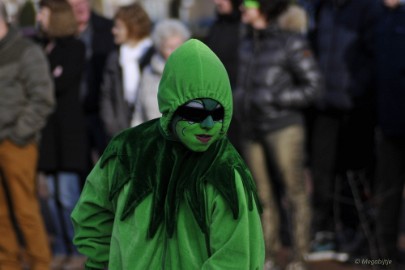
(75, 263)
(323, 248)
(297, 265)
(270, 265)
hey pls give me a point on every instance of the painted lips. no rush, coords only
(203, 138)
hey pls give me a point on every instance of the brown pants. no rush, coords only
(286, 149)
(18, 170)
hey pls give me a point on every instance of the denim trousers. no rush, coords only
(63, 193)
(18, 198)
(280, 154)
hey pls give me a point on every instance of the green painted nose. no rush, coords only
(207, 122)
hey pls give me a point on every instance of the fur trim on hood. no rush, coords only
(294, 19)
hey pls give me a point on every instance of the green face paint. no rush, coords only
(198, 136)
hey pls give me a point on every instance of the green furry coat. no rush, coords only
(151, 203)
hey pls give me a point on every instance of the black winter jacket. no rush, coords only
(100, 45)
(278, 77)
(64, 141)
(343, 40)
(225, 31)
(391, 72)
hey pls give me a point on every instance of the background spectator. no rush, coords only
(26, 99)
(226, 30)
(278, 77)
(122, 75)
(167, 36)
(95, 32)
(390, 176)
(342, 124)
(64, 140)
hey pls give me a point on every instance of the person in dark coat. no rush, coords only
(278, 77)
(390, 178)
(226, 30)
(342, 125)
(95, 32)
(63, 143)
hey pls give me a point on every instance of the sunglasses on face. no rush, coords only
(198, 115)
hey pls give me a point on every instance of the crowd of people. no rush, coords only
(317, 87)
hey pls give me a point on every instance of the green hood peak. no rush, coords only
(193, 71)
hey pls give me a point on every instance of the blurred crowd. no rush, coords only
(319, 117)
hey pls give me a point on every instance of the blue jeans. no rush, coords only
(64, 191)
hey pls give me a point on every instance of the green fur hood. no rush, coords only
(193, 71)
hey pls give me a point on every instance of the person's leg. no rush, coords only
(68, 192)
(288, 147)
(9, 246)
(323, 165)
(58, 241)
(389, 185)
(256, 160)
(19, 168)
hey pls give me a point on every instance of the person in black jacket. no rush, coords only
(278, 76)
(342, 124)
(390, 176)
(225, 31)
(63, 144)
(95, 32)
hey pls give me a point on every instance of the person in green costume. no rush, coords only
(173, 193)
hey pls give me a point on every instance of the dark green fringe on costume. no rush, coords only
(172, 173)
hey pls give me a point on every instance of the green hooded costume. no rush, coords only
(152, 203)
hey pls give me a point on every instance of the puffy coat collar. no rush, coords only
(294, 19)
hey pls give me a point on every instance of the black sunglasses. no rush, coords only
(198, 115)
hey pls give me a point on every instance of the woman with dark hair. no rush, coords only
(63, 143)
(122, 75)
(278, 77)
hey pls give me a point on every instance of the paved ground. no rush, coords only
(357, 264)
(334, 266)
